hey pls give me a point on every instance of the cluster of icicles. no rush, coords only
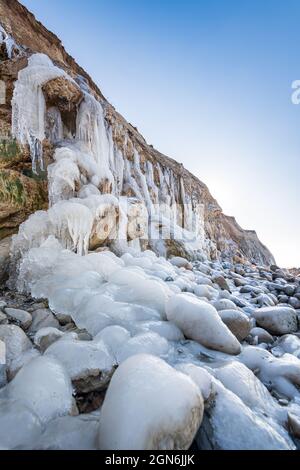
(83, 165)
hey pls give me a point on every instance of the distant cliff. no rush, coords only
(23, 192)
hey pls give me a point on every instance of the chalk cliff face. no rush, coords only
(62, 140)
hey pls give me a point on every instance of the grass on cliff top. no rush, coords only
(12, 190)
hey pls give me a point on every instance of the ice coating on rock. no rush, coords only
(28, 104)
(10, 44)
(20, 426)
(169, 420)
(44, 387)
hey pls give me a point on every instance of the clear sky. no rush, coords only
(207, 82)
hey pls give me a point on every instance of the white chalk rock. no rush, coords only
(277, 320)
(149, 405)
(200, 321)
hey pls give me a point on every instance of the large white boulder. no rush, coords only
(200, 321)
(277, 320)
(149, 406)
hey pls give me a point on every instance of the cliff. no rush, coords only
(132, 169)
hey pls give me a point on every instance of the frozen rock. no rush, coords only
(237, 322)
(237, 378)
(249, 432)
(46, 336)
(221, 282)
(224, 304)
(149, 405)
(114, 337)
(281, 374)
(181, 262)
(201, 377)
(16, 343)
(70, 433)
(43, 318)
(262, 335)
(19, 317)
(2, 364)
(205, 291)
(88, 363)
(277, 320)
(43, 386)
(166, 329)
(144, 343)
(200, 321)
(3, 319)
(20, 426)
(294, 424)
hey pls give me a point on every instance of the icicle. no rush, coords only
(29, 107)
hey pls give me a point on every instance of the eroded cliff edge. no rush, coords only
(22, 192)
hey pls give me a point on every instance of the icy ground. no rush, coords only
(176, 356)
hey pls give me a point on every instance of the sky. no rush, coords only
(208, 83)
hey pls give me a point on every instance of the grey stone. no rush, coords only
(42, 318)
(277, 320)
(19, 317)
(4, 258)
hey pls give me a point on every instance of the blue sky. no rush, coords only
(209, 84)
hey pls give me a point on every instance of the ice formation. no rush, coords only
(29, 107)
(171, 417)
(98, 255)
(10, 44)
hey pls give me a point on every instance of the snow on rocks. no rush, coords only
(200, 321)
(149, 405)
(277, 320)
(44, 387)
(237, 322)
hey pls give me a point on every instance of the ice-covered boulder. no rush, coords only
(281, 374)
(18, 347)
(46, 336)
(149, 405)
(70, 433)
(44, 386)
(43, 318)
(277, 320)
(200, 321)
(144, 343)
(19, 317)
(231, 425)
(203, 290)
(88, 363)
(2, 364)
(237, 322)
(262, 335)
(20, 426)
(200, 376)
